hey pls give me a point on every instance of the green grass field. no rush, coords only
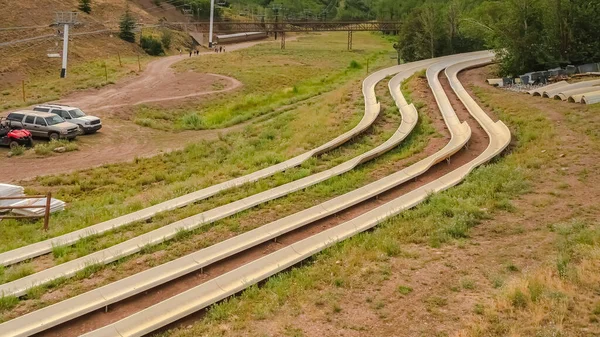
(272, 78)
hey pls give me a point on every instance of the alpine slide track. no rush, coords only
(398, 192)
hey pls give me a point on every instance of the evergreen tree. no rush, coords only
(85, 6)
(127, 25)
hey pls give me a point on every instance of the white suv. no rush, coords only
(86, 124)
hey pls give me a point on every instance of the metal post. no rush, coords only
(23, 84)
(212, 18)
(105, 72)
(63, 71)
(119, 56)
(47, 213)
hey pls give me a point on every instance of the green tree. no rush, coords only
(151, 46)
(85, 6)
(126, 26)
(166, 37)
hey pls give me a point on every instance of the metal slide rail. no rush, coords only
(98, 298)
(555, 91)
(46, 246)
(221, 287)
(19, 287)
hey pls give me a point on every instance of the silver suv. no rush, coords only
(86, 124)
(43, 124)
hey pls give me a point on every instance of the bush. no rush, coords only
(152, 46)
(44, 149)
(166, 38)
(355, 65)
(18, 150)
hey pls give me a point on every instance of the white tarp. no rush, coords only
(7, 190)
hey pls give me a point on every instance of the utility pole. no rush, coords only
(212, 18)
(65, 19)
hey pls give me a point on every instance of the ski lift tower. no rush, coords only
(188, 12)
(65, 19)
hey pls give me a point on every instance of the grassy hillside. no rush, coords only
(28, 61)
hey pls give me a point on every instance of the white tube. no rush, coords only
(212, 18)
(63, 71)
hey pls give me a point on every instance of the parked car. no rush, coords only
(86, 124)
(12, 137)
(42, 124)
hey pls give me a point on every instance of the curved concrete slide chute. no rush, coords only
(564, 95)
(575, 98)
(459, 132)
(579, 85)
(63, 311)
(19, 287)
(540, 90)
(591, 97)
(498, 132)
(46, 246)
(221, 287)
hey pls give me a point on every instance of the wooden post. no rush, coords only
(105, 72)
(23, 85)
(119, 56)
(139, 63)
(367, 66)
(47, 214)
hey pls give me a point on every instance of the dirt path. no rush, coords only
(121, 140)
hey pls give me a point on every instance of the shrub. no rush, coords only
(166, 38)
(355, 65)
(17, 150)
(44, 149)
(192, 121)
(152, 46)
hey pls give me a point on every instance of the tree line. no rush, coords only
(527, 35)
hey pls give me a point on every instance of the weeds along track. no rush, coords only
(46, 246)
(19, 287)
(288, 230)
